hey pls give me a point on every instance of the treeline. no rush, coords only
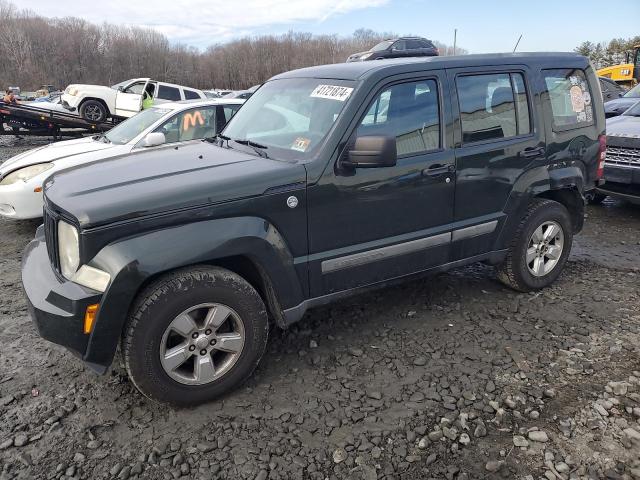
(605, 54)
(35, 50)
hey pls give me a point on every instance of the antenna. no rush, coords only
(519, 38)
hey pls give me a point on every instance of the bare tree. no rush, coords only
(36, 50)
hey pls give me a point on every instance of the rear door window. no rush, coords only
(409, 111)
(493, 106)
(569, 97)
(165, 92)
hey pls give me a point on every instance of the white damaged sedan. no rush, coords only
(22, 176)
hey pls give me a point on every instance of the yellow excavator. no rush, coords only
(627, 73)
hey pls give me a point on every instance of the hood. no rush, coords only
(623, 126)
(355, 56)
(171, 178)
(53, 152)
(85, 86)
(619, 104)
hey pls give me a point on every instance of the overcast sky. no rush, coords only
(483, 26)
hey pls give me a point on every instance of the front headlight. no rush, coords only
(25, 174)
(365, 56)
(73, 91)
(68, 249)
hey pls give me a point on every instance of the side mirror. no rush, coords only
(154, 139)
(373, 152)
(120, 88)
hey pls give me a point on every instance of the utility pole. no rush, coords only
(455, 36)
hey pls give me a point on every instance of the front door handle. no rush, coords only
(438, 169)
(531, 152)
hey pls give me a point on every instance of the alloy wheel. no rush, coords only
(545, 248)
(202, 344)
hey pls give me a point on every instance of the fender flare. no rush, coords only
(134, 261)
(563, 183)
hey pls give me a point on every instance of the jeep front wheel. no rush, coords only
(193, 335)
(93, 110)
(540, 247)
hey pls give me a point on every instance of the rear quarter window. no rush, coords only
(569, 97)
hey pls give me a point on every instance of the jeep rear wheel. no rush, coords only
(194, 335)
(93, 110)
(540, 247)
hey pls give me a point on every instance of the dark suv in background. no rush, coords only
(397, 48)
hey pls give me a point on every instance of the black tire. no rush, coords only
(166, 298)
(94, 111)
(514, 271)
(595, 198)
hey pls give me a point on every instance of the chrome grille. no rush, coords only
(51, 237)
(623, 156)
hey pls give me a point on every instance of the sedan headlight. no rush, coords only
(25, 174)
(366, 55)
(68, 249)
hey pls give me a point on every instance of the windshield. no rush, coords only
(121, 84)
(129, 129)
(382, 46)
(633, 111)
(633, 93)
(290, 117)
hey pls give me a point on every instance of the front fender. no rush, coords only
(133, 261)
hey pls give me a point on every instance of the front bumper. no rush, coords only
(69, 102)
(57, 306)
(20, 202)
(621, 182)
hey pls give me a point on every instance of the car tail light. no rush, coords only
(602, 154)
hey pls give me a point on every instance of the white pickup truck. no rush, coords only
(124, 99)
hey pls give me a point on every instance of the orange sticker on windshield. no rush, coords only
(300, 144)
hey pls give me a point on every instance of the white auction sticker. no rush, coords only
(332, 92)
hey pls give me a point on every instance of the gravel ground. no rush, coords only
(452, 377)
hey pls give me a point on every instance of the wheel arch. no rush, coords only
(572, 200)
(101, 100)
(247, 246)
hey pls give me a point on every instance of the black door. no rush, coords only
(370, 225)
(496, 142)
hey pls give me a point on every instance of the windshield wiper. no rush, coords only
(257, 147)
(216, 137)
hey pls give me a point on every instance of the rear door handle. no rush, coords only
(532, 152)
(438, 169)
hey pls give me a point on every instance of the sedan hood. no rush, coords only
(168, 179)
(53, 152)
(619, 105)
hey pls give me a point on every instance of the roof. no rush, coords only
(200, 103)
(360, 70)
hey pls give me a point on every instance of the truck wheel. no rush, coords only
(194, 335)
(540, 247)
(93, 110)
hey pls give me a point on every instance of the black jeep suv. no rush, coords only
(328, 181)
(397, 48)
